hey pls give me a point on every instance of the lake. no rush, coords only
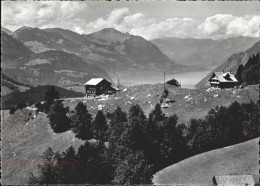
(187, 79)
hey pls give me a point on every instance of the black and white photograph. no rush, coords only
(130, 92)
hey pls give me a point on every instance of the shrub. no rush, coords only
(173, 82)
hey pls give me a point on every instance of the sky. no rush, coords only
(149, 19)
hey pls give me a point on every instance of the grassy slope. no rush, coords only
(185, 109)
(8, 85)
(24, 142)
(200, 169)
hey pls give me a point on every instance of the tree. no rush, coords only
(21, 105)
(135, 127)
(12, 110)
(49, 172)
(164, 95)
(116, 127)
(58, 120)
(100, 126)
(49, 97)
(135, 169)
(82, 122)
(239, 74)
(173, 82)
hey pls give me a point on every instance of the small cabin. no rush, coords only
(236, 180)
(223, 80)
(98, 86)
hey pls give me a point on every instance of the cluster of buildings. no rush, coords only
(99, 86)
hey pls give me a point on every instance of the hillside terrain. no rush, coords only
(109, 49)
(34, 95)
(202, 53)
(187, 104)
(8, 85)
(23, 143)
(232, 63)
(51, 67)
(236, 159)
(12, 50)
(54, 68)
(24, 139)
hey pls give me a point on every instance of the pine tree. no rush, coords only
(100, 126)
(49, 97)
(58, 120)
(82, 122)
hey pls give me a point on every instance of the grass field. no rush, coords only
(187, 103)
(238, 159)
(23, 143)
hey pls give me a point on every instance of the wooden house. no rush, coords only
(223, 80)
(234, 180)
(98, 86)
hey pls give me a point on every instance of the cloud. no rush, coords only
(41, 14)
(76, 16)
(114, 19)
(226, 25)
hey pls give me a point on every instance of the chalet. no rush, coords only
(234, 180)
(223, 80)
(98, 86)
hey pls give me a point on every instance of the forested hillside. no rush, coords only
(249, 73)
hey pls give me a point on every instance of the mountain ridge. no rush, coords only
(232, 63)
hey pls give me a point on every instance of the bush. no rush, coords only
(164, 95)
(173, 82)
(12, 110)
(21, 105)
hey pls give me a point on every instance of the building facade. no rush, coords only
(98, 86)
(223, 80)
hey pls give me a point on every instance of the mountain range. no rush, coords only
(203, 53)
(51, 67)
(232, 63)
(111, 52)
(65, 58)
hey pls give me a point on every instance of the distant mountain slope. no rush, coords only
(109, 49)
(9, 32)
(232, 63)
(204, 53)
(12, 50)
(54, 68)
(40, 41)
(200, 169)
(8, 85)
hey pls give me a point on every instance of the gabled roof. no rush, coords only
(234, 180)
(94, 81)
(223, 77)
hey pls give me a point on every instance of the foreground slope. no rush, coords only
(23, 143)
(200, 169)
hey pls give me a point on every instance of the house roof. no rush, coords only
(235, 180)
(94, 81)
(223, 77)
